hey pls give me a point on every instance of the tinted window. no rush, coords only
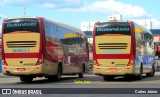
(72, 41)
(21, 24)
(113, 28)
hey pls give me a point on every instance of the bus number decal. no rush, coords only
(20, 50)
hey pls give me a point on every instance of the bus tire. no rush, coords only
(83, 68)
(139, 76)
(51, 78)
(26, 78)
(59, 73)
(80, 75)
(151, 74)
(108, 78)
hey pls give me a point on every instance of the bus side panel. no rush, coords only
(144, 50)
(53, 52)
(65, 47)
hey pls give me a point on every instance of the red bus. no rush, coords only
(36, 47)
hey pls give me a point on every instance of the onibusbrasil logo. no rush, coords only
(21, 91)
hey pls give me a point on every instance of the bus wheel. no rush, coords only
(59, 73)
(80, 75)
(152, 72)
(109, 78)
(83, 68)
(51, 78)
(139, 77)
(26, 78)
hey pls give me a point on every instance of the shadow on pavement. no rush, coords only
(45, 80)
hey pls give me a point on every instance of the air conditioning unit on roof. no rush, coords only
(115, 17)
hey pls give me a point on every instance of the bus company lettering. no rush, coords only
(21, 24)
(113, 29)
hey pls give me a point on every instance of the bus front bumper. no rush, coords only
(23, 70)
(127, 70)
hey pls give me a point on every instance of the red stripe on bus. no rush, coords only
(21, 55)
(112, 56)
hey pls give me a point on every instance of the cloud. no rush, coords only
(1, 4)
(106, 6)
(47, 5)
(111, 7)
(15, 2)
(43, 3)
(74, 1)
(2, 16)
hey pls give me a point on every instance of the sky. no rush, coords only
(73, 12)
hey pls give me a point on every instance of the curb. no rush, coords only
(1, 74)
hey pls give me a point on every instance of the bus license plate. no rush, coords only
(20, 69)
(113, 69)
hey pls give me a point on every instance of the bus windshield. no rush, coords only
(113, 28)
(21, 25)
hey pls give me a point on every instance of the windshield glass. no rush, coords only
(21, 24)
(113, 28)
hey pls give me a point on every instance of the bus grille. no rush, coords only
(112, 45)
(19, 44)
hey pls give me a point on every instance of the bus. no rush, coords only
(38, 47)
(122, 48)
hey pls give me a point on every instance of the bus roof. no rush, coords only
(147, 30)
(72, 28)
(58, 23)
(67, 26)
(22, 17)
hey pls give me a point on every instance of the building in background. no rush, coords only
(156, 34)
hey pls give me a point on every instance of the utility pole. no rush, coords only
(24, 11)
